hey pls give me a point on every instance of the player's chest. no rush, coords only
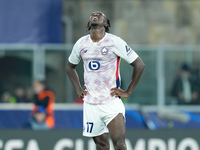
(97, 52)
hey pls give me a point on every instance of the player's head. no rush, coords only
(97, 18)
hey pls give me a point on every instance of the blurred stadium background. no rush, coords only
(36, 38)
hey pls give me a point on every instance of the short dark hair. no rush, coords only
(185, 67)
(106, 27)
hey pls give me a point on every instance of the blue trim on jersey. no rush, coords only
(118, 83)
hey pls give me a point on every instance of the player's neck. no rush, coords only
(97, 34)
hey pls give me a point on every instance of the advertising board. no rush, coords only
(73, 140)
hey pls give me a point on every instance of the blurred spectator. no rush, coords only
(197, 84)
(43, 109)
(19, 94)
(29, 94)
(183, 87)
(1, 92)
(8, 98)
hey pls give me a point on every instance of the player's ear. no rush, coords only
(88, 25)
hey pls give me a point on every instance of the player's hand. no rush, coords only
(83, 93)
(118, 93)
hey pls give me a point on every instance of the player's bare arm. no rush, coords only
(74, 78)
(138, 67)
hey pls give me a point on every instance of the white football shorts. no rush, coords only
(97, 117)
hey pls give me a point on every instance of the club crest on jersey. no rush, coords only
(104, 51)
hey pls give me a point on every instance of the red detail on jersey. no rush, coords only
(117, 73)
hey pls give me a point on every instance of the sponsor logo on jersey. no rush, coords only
(94, 65)
(85, 51)
(128, 50)
(104, 51)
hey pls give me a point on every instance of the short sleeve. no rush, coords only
(124, 51)
(75, 56)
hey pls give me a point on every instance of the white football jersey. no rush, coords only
(101, 65)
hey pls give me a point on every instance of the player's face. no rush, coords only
(97, 18)
(38, 87)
